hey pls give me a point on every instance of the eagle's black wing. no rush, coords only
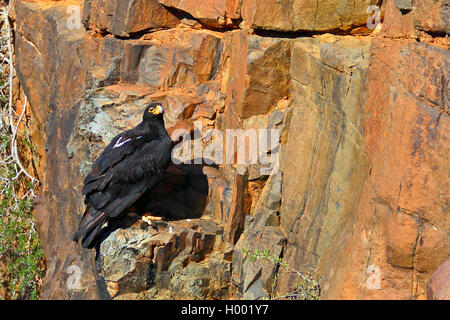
(122, 145)
(131, 164)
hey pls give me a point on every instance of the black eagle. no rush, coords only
(134, 162)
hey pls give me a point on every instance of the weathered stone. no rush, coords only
(395, 23)
(432, 248)
(220, 194)
(401, 235)
(305, 15)
(203, 280)
(405, 5)
(172, 59)
(219, 276)
(136, 257)
(236, 217)
(405, 123)
(97, 121)
(430, 16)
(433, 16)
(278, 119)
(215, 13)
(320, 193)
(255, 77)
(255, 279)
(126, 17)
(438, 287)
(192, 281)
(123, 262)
(52, 95)
(180, 107)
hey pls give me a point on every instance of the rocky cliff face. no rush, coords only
(360, 200)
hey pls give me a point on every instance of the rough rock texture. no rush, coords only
(320, 193)
(403, 212)
(262, 231)
(438, 287)
(405, 19)
(433, 16)
(305, 15)
(358, 194)
(255, 76)
(122, 18)
(216, 13)
(177, 259)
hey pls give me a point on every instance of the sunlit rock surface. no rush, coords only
(361, 190)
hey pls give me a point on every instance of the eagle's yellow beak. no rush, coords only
(157, 110)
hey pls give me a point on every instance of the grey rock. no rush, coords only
(404, 4)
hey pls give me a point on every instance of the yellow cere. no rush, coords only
(156, 110)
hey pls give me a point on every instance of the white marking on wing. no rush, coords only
(118, 143)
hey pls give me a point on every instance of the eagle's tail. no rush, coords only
(90, 225)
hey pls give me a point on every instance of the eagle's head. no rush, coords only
(153, 112)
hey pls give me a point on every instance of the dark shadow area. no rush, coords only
(181, 194)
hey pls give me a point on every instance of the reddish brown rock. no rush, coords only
(214, 13)
(396, 23)
(432, 248)
(405, 19)
(433, 16)
(305, 15)
(255, 77)
(402, 234)
(405, 123)
(126, 17)
(172, 59)
(56, 99)
(235, 221)
(320, 192)
(438, 287)
(52, 95)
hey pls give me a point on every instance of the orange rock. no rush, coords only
(213, 12)
(320, 192)
(305, 15)
(432, 248)
(402, 234)
(183, 125)
(255, 77)
(428, 15)
(124, 17)
(172, 59)
(404, 126)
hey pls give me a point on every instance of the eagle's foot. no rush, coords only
(149, 219)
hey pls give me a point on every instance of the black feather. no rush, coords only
(89, 237)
